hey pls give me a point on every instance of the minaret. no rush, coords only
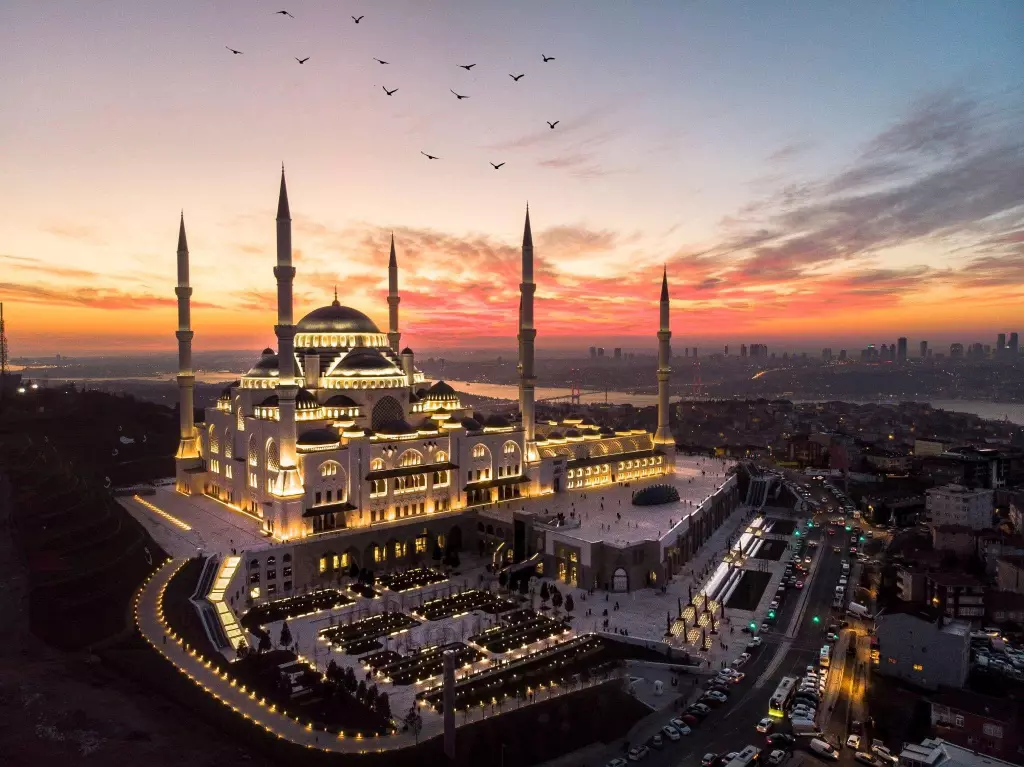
(663, 436)
(188, 445)
(288, 483)
(393, 299)
(527, 335)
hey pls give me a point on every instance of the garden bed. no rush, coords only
(356, 638)
(382, 658)
(461, 604)
(294, 607)
(749, 590)
(411, 579)
(519, 629)
(577, 659)
(771, 550)
(781, 526)
(428, 662)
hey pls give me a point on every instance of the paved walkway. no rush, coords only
(149, 617)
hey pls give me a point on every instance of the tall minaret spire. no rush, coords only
(527, 336)
(288, 483)
(188, 446)
(663, 436)
(393, 299)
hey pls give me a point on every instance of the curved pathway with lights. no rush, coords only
(149, 617)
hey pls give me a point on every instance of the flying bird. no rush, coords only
(232, 50)
(283, 13)
(357, 20)
(547, 58)
(552, 125)
(467, 67)
(380, 61)
(302, 61)
(429, 156)
(389, 92)
(460, 98)
(497, 166)
(516, 77)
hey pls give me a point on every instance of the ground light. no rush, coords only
(816, 619)
(771, 615)
(753, 626)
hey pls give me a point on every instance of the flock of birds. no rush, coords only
(468, 67)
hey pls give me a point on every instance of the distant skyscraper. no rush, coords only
(884, 354)
(743, 351)
(618, 353)
(600, 351)
(901, 350)
(686, 351)
(593, 352)
(826, 354)
(956, 351)
(1001, 344)
(924, 349)
(694, 351)
(842, 355)
(1012, 347)
(727, 350)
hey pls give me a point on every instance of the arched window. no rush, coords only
(510, 448)
(479, 451)
(376, 465)
(229, 447)
(273, 457)
(254, 452)
(214, 440)
(440, 456)
(387, 410)
(239, 417)
(329, 469)
(411, 458)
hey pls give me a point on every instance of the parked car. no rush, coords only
(823, 749)
(670, 732)
(765, 724)
(699, 709)
(717, 696)
(853, 742)
(637, 753)
(681, 727)
(744, 657)
(777, 756)
(708, 759)
(799, 584)
(690, 719)
(866, 758)
(883, 753)
(781, 740)
(657, 741)
(617, 762)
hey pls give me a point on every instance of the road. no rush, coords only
(731, 727)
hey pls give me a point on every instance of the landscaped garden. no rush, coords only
(361, 636)
(411, 579)
(377, 659)
(294, 607)
(461, 604)
(335, 702)
(519, 629)
(749, 590)
(585, 656)
(426, 663)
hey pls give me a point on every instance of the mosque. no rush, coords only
(336, 439)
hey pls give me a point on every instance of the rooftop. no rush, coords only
(936, 751)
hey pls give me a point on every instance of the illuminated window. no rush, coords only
(509, 448)
(918, 667)
(892, 660)
(421, 544)
(328, 469)
(411, 458)
(380, 487)
(376, 465)
(346, 561)
(440, 456)
(228, 470)
(378, 553)
(479, 451)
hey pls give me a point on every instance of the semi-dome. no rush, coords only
(607, 431)
(225, 393)
(555, 435)
(306, 400)
(336, 319)
(572, 433)
(318, 437)
(471, 424)
(270, 401)
(267, 365)
(340, 400)
(363, 359)
(496, 421)
(396, 428)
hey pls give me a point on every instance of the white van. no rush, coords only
(823, 749)
(804, 726)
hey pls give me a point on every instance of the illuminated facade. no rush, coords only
(338, 432)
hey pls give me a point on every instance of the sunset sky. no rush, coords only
(810, 172)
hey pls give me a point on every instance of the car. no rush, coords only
(837, 549)
(718, 687)
(765, 628)
(669, 732)
(781, 740)
(637, 753)
(843, 580)
(807, 560)
(832, 636)
(738, 677)
(742, 659)
(799, 584)
(853, 742)
(774, 605)
(657, 740)
(690, 719)
(853, 551)
(715, 695)
(698, 709)
(708, 759)
(755, 642)
(680, 726)
(765, 724)
(866, 758)
(617, 762)
(802, 712)
(824, 749)
(883, 753)
(831, 531)
(776, 757)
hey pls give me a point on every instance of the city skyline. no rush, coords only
(789, 207)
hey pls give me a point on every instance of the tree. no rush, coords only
(556, 599)
(353, 570)
(524, 586)
(569, 604)
(503, 579)
(333, 672)
(265, 643)
(286, 635)
(384, 705)
(545, 593)
(371, 696)
(437, 555)
(361, 691)
(414, 722)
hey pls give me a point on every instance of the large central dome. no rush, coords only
(336, 319)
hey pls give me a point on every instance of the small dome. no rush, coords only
(406, 350)
(266, 352)
(336, 319)
(572, 433)
(495, 421)
(306, 400)
(396, 428)
(225, 393)
(340, 400)
(318, 437)
(441, 392)
(471, 424)
(588, 421)
(364, 359)
(607, 431)
(270, 401)
(556, 435)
